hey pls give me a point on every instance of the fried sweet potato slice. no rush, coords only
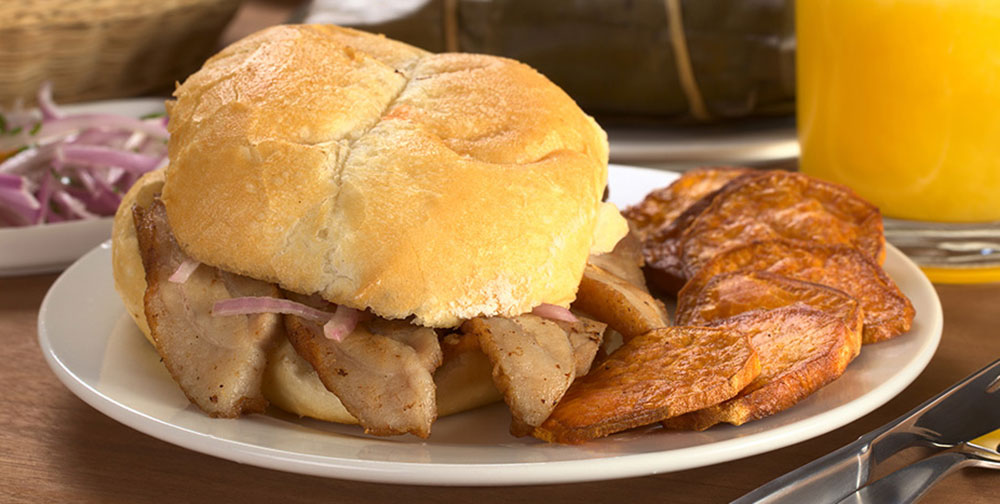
(660, 207)
(657, 375)
(218, 362)
(887, 312)
(534, 361)
(661, 234)
(781, 205)
(625, 307)
(662, 253)
(733, 293)
(801, 350)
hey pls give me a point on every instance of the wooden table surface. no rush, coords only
(56, 448)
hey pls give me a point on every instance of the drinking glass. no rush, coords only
(900, 100)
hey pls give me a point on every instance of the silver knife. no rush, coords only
(934, 423)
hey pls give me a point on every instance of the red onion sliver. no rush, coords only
(59, 128)
(114, 175)
(250, 305)
(71, 206)
(554, 312)
(44, 193)
(342, 323)
(83, 175)
(184, 271)
(18, 206)
(73, 165)
(104, 156)
(45, 103)
(11, 181)
(28, 160)
(16, 197)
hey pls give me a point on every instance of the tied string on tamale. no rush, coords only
(450, 25)
(678, 43)
(682, 59)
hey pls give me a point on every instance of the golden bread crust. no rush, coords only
(126, 263)
(441, 186)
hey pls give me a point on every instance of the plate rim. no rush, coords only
(471, 474)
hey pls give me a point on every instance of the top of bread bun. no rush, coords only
(442, 186)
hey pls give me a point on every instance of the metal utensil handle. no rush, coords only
(838, 474)
(911, 482)
(822, 480)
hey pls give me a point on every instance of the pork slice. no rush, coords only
(382, 372)
(625, 261)
(585, 336)
(626, 307)
(218, 362)
(534, 361)
(423, 340)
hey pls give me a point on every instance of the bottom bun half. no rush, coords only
(463, 380)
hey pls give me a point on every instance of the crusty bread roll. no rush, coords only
(385, 178)
(439, 186)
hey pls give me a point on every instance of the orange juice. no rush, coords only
(900, 100)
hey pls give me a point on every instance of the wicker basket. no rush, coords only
(93, 49)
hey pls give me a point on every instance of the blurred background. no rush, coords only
(675, 82)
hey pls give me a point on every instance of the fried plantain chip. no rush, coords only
(887, 312)
(733, 293)
(781, 205)
(657, 375)
(801, 350)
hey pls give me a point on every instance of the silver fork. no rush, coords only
(911, 482)
(837, 475)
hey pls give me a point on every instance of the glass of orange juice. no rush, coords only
(900, 100)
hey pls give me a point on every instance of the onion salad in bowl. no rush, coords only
(56, 166)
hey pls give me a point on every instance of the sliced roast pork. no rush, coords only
(218, 362)
(382, 371)
(534, 361)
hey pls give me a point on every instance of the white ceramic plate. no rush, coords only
(52, 247)
(96, 350)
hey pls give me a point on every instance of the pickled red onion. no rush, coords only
(342, 323)
(184, 271)
(56, 166)
(262, 304)
(554, 312)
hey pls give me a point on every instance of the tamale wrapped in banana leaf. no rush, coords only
(673, 61)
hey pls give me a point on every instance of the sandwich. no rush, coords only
(356, 230)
